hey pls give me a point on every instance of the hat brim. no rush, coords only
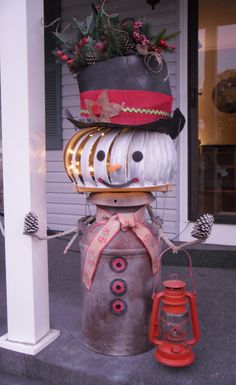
(170, 126)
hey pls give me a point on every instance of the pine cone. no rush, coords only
(202, 227)
(31, 224)
(91, 58)
(127, 46)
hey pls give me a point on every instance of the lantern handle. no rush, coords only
(157, 278)
(196, 331)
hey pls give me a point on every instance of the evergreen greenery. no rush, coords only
(102, 36)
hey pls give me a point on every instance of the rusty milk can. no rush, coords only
(116, 309)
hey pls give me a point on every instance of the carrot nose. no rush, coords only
(114, 167)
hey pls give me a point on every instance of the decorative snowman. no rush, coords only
(120, 158)
(123, 150)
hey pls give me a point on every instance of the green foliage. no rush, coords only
(62, 39)
(81, 28)
(146, 30)
(127, 26)
(102, 36)
(163, 36)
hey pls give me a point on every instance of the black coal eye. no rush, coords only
(137, 156)
(100, 155)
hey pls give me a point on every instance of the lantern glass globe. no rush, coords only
(174, 327)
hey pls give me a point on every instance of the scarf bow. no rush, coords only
(112, 225)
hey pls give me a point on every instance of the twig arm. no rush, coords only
(70, 243)
(57, 235)
(162, 236)
(166, 240)
(186, 244)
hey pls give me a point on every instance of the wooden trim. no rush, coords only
(193, 157)
(193, 108)
(164, 188)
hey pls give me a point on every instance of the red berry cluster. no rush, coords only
(83, 41)
(163, 44)
(61, 55)
(139, 37)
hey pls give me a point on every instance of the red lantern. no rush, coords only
(174, 324)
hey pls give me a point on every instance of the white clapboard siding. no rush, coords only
(63, 205)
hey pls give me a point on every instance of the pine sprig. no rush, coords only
(127, 25)
(81, 28)
(62, 40)
(161, 39)
(172, 35)
(160, 35)
(146, 30)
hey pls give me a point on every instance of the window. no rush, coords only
(212, 109)
(52, 80)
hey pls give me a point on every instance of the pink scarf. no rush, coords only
(112, 225)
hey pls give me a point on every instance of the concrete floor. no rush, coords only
(10, 379)
(68, 362)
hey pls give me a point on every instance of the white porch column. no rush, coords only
(23, 137)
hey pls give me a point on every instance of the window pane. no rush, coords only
(217, 107)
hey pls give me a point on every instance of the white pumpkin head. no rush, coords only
(102, 159)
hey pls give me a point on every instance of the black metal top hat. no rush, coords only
(130, 91)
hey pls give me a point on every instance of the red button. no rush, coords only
(118, 287)
(118, 264)
(118, 307)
